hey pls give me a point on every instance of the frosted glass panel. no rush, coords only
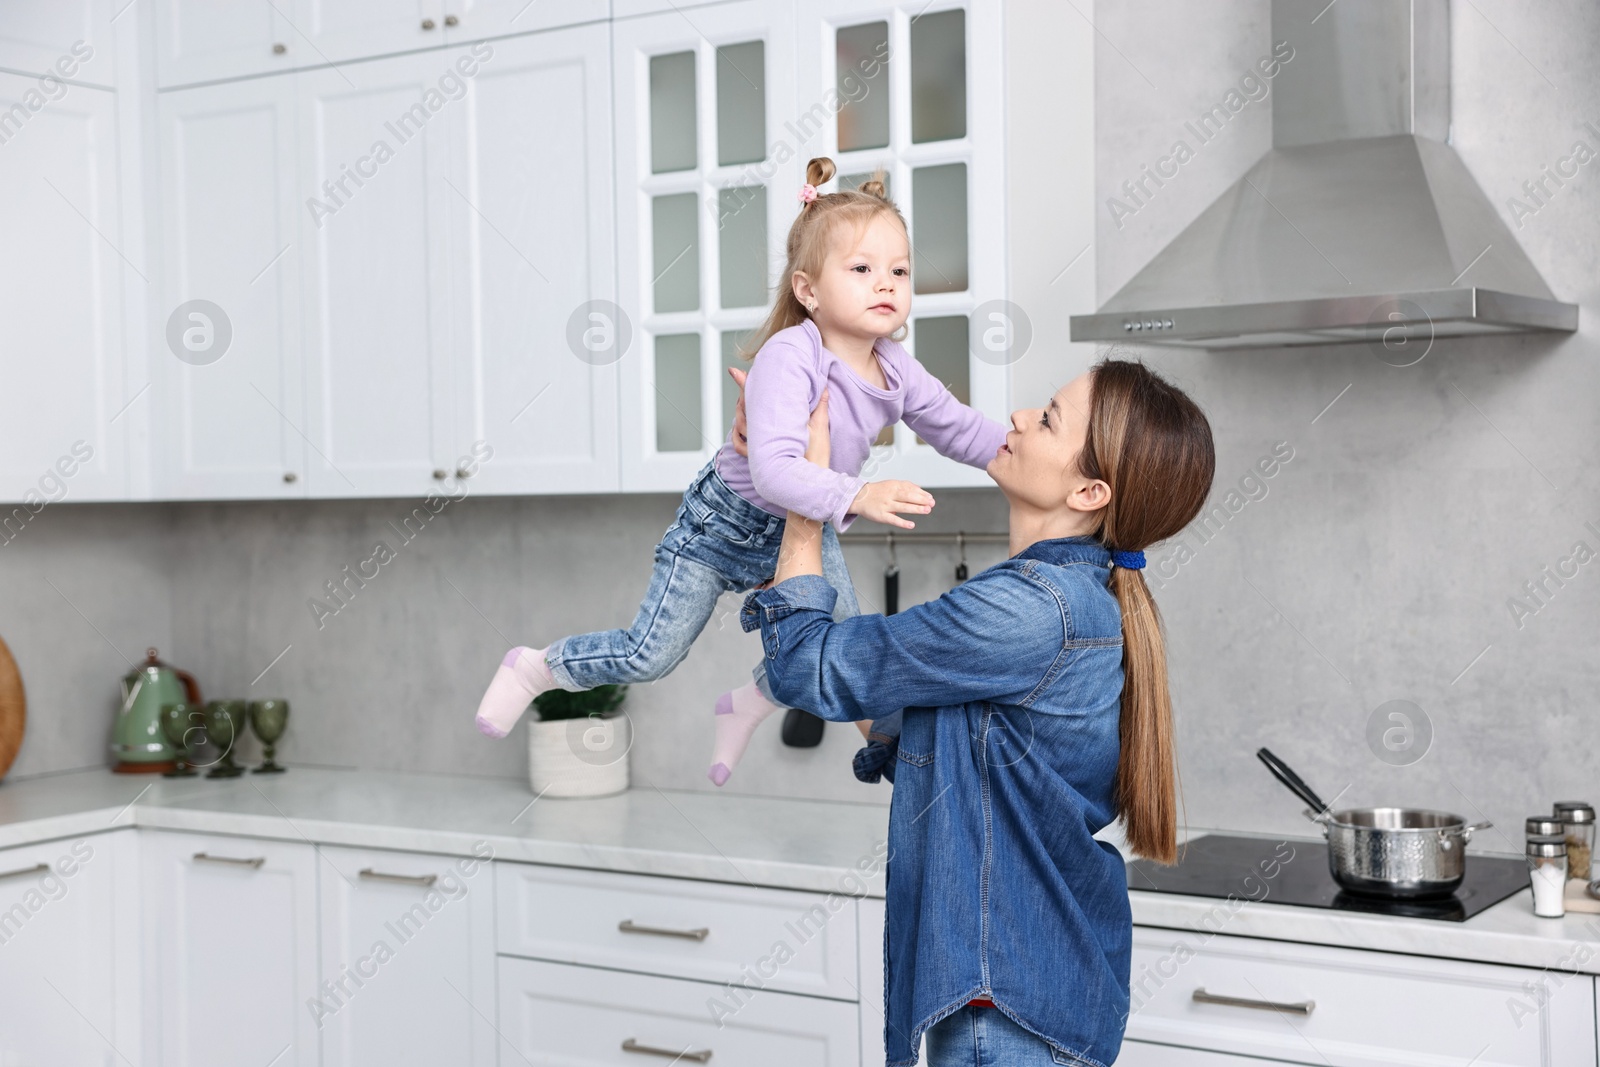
(731, 340)
(939, 77)
(742, 240)
(853, 181)
(941, 348)
(675, 252)
(741, 103)
(939, 225)
(678, 393)
(672, 143)
(863, 82)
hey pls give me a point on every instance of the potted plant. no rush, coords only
(578, 744)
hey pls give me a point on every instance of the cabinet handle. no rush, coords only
(427, 24)
(279, 48)
(254, 861)
(451, 20)
(290, 477)
(37, 868)
(628, 926)
(440, 474)
(697, 1055)
(463, 473)
(404, 879)
(1303, 1007)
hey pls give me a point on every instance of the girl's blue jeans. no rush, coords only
(718, 543)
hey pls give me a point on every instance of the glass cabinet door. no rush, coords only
(704, 157)
(908, 103)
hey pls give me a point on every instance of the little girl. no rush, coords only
(849, 272)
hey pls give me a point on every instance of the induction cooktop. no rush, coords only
(1294, 871)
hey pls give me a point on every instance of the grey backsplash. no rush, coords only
(1378, 564)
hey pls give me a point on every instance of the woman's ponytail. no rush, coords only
(1152, 445)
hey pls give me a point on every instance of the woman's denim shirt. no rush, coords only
(1007, 758)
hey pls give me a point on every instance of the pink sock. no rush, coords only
(523, 675)
(739, 712)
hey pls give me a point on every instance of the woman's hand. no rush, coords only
(818, 451)
(882, 501)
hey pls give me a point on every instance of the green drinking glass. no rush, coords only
(268, 718)
(184, 726)
(224, 724)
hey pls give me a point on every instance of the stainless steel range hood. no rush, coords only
(1361, 223)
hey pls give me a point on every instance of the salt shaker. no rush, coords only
(1547, 871)
(1536, 825)
(1578, 819)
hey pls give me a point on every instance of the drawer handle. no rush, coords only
(404, 879)
(255, 861)
(697, 1055)
(35, 869)
(700, 933)
(1303, 1007)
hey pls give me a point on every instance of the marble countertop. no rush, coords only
(764, 841)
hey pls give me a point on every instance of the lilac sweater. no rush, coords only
(786, 380)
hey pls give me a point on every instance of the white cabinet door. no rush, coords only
(707, 172)
(337, 30)
(560, 1015)
(57, 962)
(376, 260)
(68, 38)
(231, 949)
(227, 378)
(531, 217)
(209, 40)
(60, 299)
(408, 947)
(1143, 1054)
(477, 19)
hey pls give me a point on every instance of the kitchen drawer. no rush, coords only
(557, 1014)
(1357, 1008)
(771, 938)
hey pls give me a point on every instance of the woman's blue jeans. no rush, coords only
(985, 1037)
(718, 543)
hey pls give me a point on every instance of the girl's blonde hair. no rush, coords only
(1152, 445)
(809, 239)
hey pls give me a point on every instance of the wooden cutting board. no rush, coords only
(13, 709)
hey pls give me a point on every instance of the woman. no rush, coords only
(1036, 712)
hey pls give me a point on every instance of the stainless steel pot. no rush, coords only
(1387, 852)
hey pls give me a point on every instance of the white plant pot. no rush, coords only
(579, 757)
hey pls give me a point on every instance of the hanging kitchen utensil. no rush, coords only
(891, 582)
(961, 547)
(13, 709)
(1394, 853)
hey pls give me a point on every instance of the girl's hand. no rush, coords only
(881, 501)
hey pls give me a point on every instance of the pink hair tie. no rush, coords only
(808, 193)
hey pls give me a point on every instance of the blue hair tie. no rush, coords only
(1131, 561)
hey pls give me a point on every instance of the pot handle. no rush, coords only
(1296, 785)
(1466, 833)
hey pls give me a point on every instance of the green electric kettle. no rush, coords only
(137, 741)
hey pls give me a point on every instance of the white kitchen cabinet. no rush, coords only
(230, 946)
(476, 19)
(340, 30)
(41, 38)
(373, 233)
(705, 198)
(214, 40)
(1349, 1008)
(226, 386)
(792, 942)
(559, 1014)
(60, 300)
(1144, 1054)
(530, 207)
(59, 953)
(407, 943)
